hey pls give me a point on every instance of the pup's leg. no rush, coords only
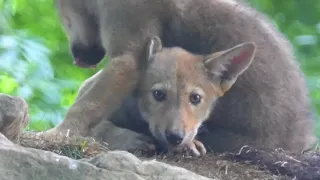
(87, 84)
(109, 88)
(117, 137)
(122, 139)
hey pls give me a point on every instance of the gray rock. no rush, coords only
(19, 163)
(13, 116)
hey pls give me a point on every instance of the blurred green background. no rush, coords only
(36, 63)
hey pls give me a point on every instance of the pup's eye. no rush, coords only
(159, 95)
(195, 98)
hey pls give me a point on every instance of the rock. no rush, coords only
(5, 141)
(150, 169)
(20, 163)
(13, 116)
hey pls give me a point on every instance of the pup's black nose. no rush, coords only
(174, 138)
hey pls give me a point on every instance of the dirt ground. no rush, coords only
(248, 164)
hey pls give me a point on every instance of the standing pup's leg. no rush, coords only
(104, 96)
(116, 137)
(87, 84)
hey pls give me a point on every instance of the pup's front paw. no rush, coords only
(141, 143)
(127, 140)
(196, 148)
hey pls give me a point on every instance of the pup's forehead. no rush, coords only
(176, 60)
(176, 64)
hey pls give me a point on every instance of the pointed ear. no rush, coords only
(229, 64)
(154, 46)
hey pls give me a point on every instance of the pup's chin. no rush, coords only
(163, 147)
(161, 144)
(185, 144)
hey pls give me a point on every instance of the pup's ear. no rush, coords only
(154, 46)
(229, 64)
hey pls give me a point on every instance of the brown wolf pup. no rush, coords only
(268, 101)
(181, 91)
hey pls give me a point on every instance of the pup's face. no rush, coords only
(180, 89)
(83, 34)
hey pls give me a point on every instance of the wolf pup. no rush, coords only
(268, 105)
(180, 91)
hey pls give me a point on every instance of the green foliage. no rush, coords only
(35, 60)
(36, 63)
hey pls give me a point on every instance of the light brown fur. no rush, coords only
(121, 69)
(182, 75)
(268, 105)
